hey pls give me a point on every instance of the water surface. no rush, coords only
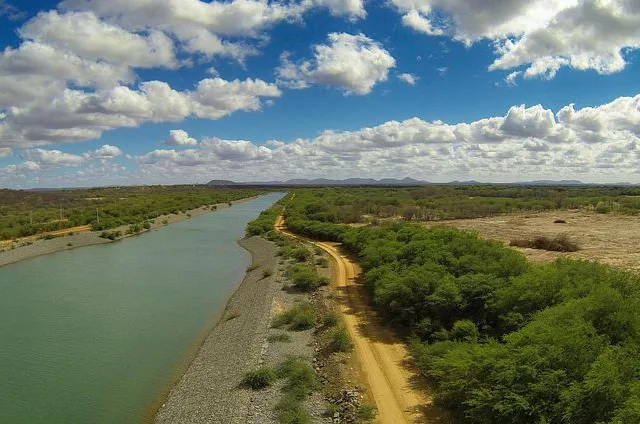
(93, 335)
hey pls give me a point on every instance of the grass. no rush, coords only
(323, 262)
(301, 383)
(339, 340)
(259, 378)
(560, 243)
(331, 319)
(279, 338)
(298, 318)
(305, 278)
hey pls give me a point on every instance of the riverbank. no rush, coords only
(32, 247)
(210, 390)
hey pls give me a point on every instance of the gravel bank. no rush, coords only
(209, 391)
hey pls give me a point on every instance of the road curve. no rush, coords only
(383, 358)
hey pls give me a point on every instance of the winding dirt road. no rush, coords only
(395, 386)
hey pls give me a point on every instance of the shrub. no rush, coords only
(339, 340)
(323, 262)
(560, 243)
(165, 222)
(559, 221)
(301, 254)
(267, 273)
(305, 278)
(300, 317)
(146, 225)
(279, 337)
(69, 244)
(465, 331)
(252, 267)
(331, 319)
(259, 378)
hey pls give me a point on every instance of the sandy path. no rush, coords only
(384, 360)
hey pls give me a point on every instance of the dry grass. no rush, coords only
(560, 243)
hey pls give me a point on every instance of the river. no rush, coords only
(96, 334)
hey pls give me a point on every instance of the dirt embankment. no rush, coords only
(608, 238)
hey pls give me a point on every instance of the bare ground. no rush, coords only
(608, 238)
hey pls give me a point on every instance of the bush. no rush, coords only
(301, 254)
(252, 267)
(331, 319)
(146, 225)
(323, 262)
(279, 337)
(339, 340)
(559, 221)
(267, 273)
(259, 378)
(560, 243)
(305, 278)
(300, 317)
(465, 331)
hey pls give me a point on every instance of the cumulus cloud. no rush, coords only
(543, 35)
(354, 63)
(408, 78)
(180, 138)
(76, 115)
(533, 140)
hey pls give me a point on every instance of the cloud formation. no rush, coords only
(533, 140)
(354, 63)
(543, 35)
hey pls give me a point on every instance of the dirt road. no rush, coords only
(394, 385)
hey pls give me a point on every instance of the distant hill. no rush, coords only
(406, 182)
(325, 182)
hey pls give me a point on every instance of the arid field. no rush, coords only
(609, 238)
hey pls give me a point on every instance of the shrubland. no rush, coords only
(502, 340)
(24, 213)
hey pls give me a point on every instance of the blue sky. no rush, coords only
(168, 91)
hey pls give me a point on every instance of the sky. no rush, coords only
(126, 92)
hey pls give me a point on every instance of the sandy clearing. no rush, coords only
(608, 238)
(395, 386)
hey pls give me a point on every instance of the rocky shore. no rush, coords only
(210, 391)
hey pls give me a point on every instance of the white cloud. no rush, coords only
(511, 78)
(5, 152)
(52, 158)
(76, 115)
(539, 144)
(355, 63)
(105, 152)
(543, 35)
(408, 78)
(84, 34)
(180, 138)
(351, 8)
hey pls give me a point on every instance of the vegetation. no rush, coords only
(502, 340)
(279, 337)
(264, 223)
(259, 378)
(339, 340)
(560, 243)
(305, 277)
(301, 383)
(300, 317)
(24, 213)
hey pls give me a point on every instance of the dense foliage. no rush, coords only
(504, 341)
(23, 213)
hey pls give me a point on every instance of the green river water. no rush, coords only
(96, 334)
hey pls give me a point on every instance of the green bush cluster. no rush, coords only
(259, 378)
(304, 277)
(301, 383)
(300, 317)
